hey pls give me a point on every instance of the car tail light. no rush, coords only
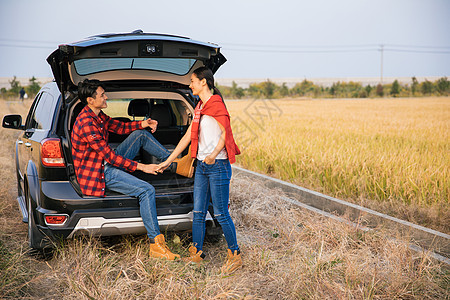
(51, 154)
(55, 219)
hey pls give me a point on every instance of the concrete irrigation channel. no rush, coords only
(421, 238)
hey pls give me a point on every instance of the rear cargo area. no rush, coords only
(173, 113)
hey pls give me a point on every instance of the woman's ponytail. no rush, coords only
(217, 92)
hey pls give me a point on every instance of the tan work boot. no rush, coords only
(159, 249)
(185, 165)
(234, 262)
(195, 256)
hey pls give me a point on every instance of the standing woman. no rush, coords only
(213, 145)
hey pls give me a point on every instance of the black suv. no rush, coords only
(145, 75)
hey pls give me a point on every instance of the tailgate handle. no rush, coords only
(188, 52)
(109, 51)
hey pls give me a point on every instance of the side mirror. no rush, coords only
(13, 122)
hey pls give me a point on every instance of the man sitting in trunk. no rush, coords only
(98, 167)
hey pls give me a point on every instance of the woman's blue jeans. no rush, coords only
(213, 182)
(125, 183)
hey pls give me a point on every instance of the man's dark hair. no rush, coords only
(88, 88)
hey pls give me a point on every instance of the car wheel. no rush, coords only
(213, 238)
(213, 234)
(214, 231)
(35, 237)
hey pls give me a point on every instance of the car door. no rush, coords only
(40, 124)
(23, 142)
(37, 125)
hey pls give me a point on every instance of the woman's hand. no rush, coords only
(209, 160)
(162, 166)
(153, 124)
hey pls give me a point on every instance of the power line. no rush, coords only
(338, 50)
(418, 46)
(300, 51)
(272, 48)
(29, 41)
(26, 46)
(419, 51)
(335, 46)
(300, 46)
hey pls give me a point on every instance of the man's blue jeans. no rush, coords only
(213, 182)
(125, 183)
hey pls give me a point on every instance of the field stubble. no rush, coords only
(289, 253)
(391, 155)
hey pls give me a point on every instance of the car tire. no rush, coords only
(214, 234)
(213, 238)
(214, 231)
(35, 237)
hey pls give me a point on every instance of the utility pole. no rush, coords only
(381, 71)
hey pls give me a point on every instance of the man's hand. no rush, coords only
(150, 123)
(150, 168)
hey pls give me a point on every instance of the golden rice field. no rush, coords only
(390, 154)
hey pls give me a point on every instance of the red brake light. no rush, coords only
(51, 154)
(55, 219)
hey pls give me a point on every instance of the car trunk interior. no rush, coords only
(173, 113)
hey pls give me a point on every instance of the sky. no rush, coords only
(260, 38)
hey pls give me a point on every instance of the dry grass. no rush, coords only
(289, 253)
(388, 154)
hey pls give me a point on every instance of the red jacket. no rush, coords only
(214, 107)
(90, 149)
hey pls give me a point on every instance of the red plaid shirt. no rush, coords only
(90, 149)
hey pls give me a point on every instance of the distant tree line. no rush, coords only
(31, 89)
(306, 88)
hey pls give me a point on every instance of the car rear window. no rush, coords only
(178, 66)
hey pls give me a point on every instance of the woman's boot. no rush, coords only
(195, 256)
(234, 262)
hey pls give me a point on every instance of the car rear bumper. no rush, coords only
(113, 215)
(99, 226)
